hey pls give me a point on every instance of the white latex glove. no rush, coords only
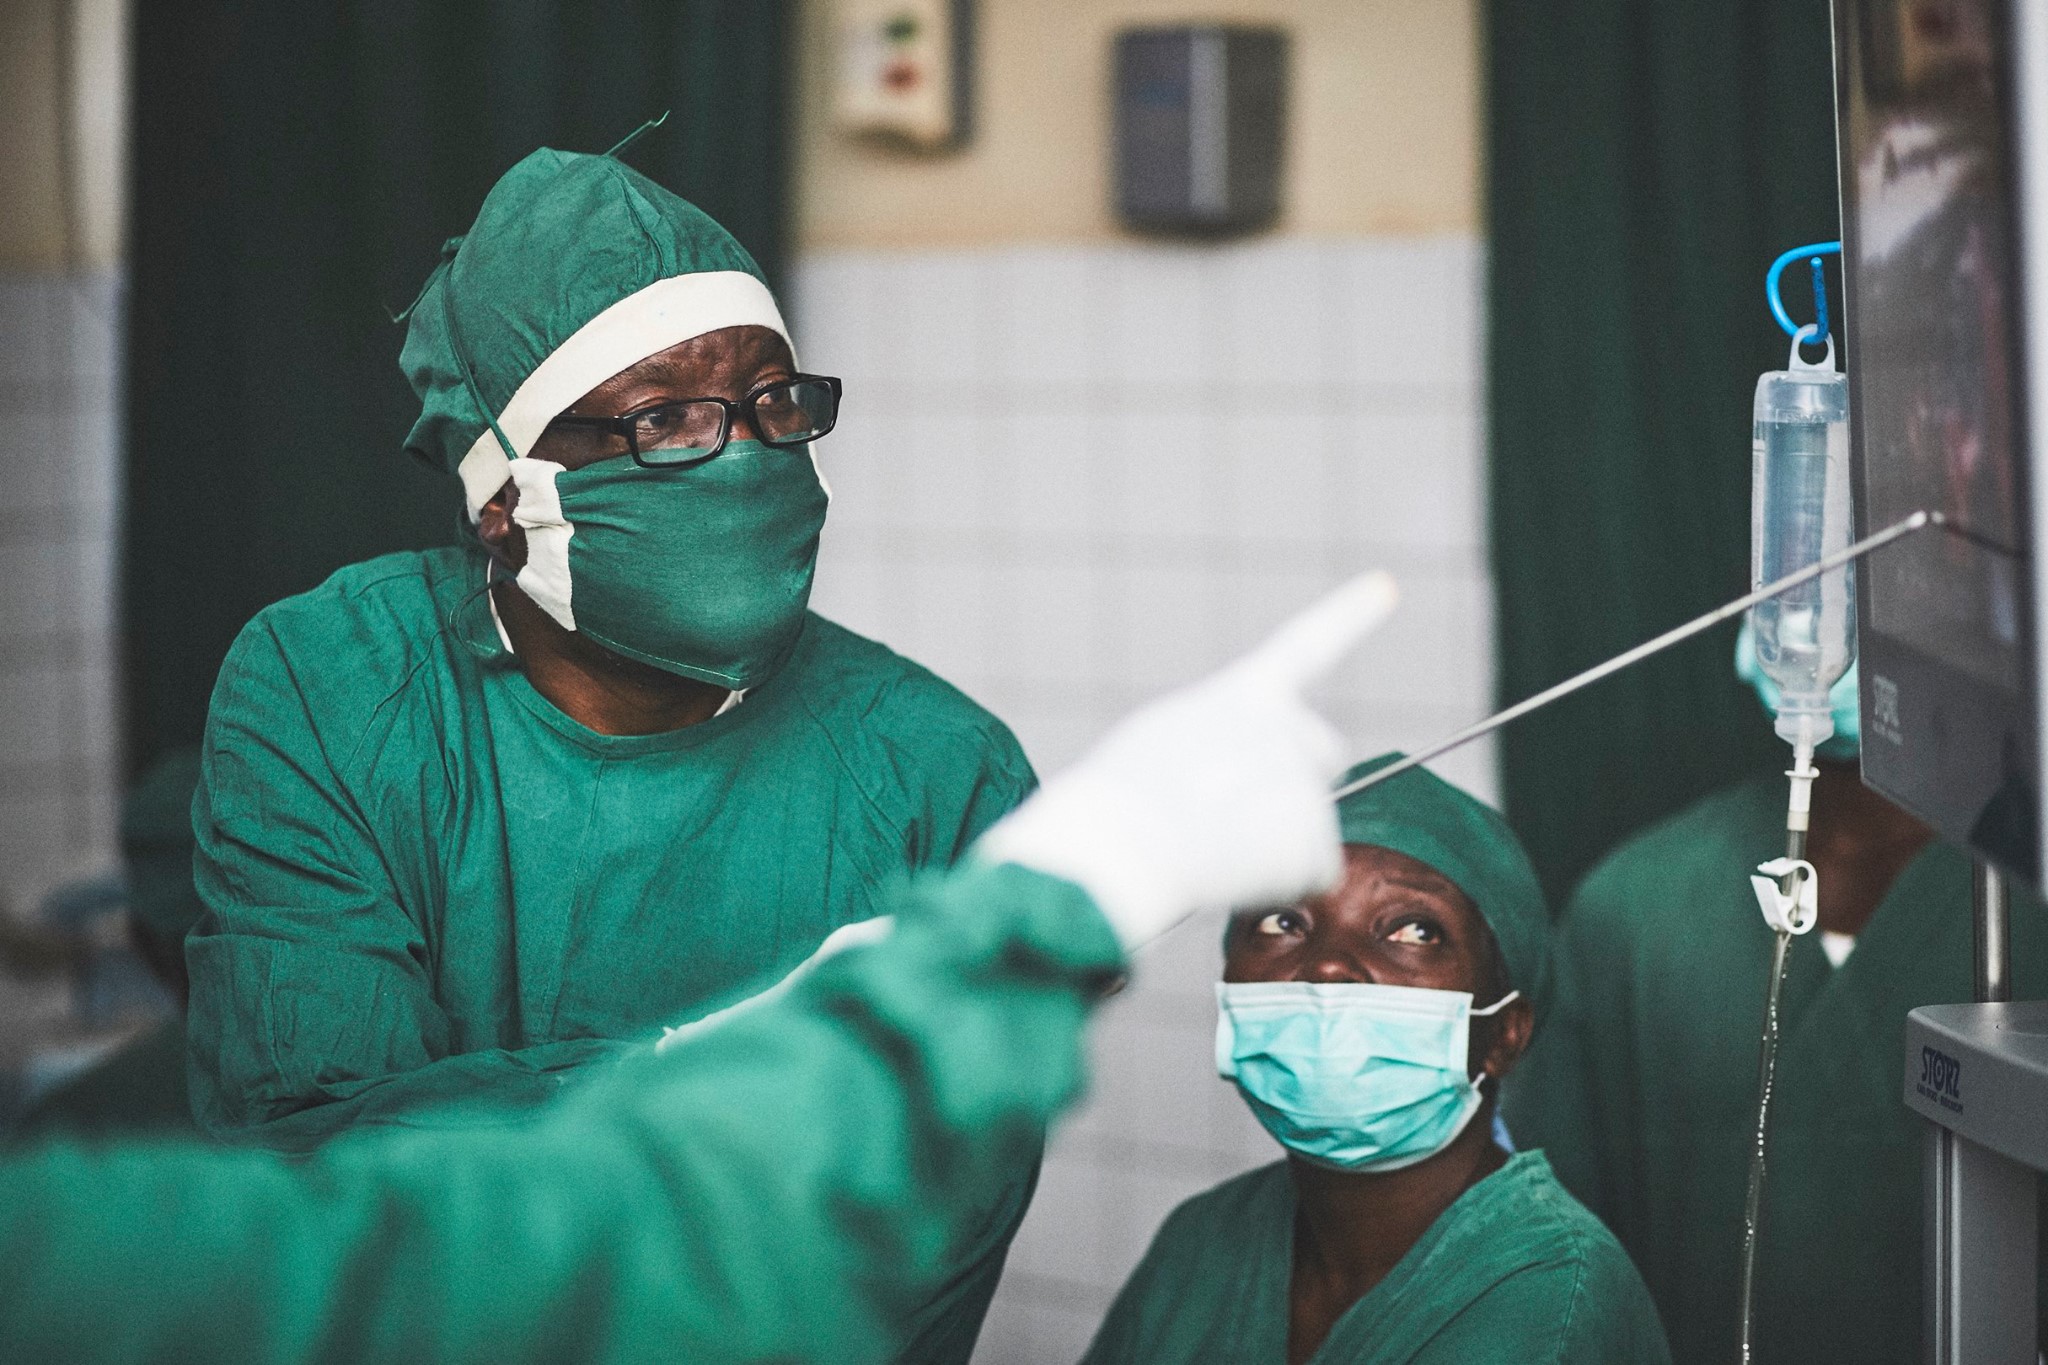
(1212, 797)
(838, 941)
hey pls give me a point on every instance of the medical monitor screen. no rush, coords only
(1933, 361)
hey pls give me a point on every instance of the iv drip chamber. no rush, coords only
(1799, 512)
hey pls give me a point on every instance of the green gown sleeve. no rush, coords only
(780, 1188)
(311, 1007)
(957, 816)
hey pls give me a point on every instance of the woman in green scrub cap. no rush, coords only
(1368, 1030)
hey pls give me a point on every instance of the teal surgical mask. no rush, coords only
(703, 572)
(1358, 1077)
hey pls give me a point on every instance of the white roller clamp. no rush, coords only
(1793, 914)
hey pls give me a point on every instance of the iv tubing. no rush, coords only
(1903, 527)
(1798, 812)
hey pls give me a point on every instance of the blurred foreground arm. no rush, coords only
(780, 1187)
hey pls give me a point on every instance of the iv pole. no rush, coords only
(1677, 635)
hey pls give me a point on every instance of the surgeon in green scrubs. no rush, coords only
(785, 1183)
(474, 819)
(140, 1087)
(1643, 1090)
(1369, 1029)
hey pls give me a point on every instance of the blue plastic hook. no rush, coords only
(1820, 293)
(1820, 302)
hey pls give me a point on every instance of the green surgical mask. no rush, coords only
(703, 572)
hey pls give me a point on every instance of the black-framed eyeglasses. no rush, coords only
(786, 412)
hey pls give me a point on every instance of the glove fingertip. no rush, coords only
(1313, 641)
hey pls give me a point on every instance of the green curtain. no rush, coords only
(1647, 160)
(296, 168)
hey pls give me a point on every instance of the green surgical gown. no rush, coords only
(1514, 1271)
(783, 1187)
(1642, 1086)
(433, 897)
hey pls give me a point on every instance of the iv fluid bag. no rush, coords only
(1800, 511)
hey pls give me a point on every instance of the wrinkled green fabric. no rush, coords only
(702, 571)
(435, 899)
(783, 1187)
(1643, 1089)
(1514, 1271)
(560, 238)
(1435, 823)
(137, 1090)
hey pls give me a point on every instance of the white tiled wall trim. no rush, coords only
(60, 470)
(1070, 477)
(60, 466)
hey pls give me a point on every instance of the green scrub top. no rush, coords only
(782, 1187)
(1514, 1271)
(137, 1089)
(433, 897)
(1642, 1087)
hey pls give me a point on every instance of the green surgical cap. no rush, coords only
(156, 844)
(1433, 822)
(577, 267)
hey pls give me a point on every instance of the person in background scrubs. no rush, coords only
(140, 1086)
(781, 1186)
(476, 818)
(1643, 1091)
(1368, 1030)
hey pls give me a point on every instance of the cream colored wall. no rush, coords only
(63, 77)
(32, 228)
(1383, 132)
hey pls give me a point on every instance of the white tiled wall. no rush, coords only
(60, 472)
(1070, 477)
(59, 485)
